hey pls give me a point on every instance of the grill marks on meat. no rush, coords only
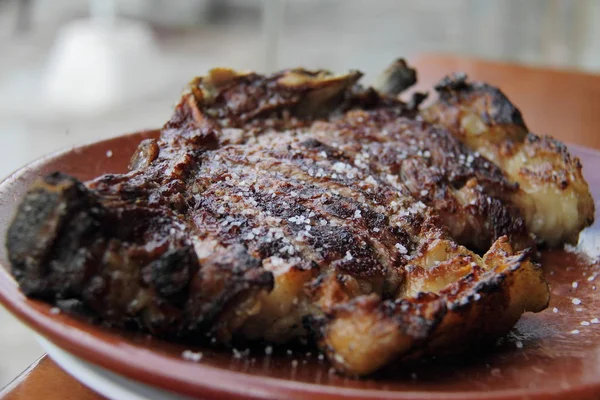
(284, 207)
(468, 192)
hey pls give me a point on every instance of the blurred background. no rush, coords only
(73, 71)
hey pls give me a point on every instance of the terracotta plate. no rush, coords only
(553, 354)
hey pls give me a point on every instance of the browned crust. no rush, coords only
(302, 192)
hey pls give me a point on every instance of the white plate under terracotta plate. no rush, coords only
(548, 355)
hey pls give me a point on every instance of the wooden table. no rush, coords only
(564, 104)
(45, 380)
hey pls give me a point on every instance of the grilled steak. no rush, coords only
(297, 205)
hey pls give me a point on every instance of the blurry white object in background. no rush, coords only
(100, 62)
(273, 18)
(168, 13)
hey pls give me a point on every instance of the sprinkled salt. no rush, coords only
(584, 323)
(348, 256)
(555, 310)
(55, 310)
(109, 153)
(576, 301)
(376, 229)
(424, 192)
(595, 321)
(237, 354)
(294, 363)
(321, 357)
(339, 167)
(300, 220)
(269, 350)
(476, 297)
(519, 344)
(574, 285)
(371, 181)
(191, 356)
(575, 332)
(401, 248)
(357, 214)
(323, 154)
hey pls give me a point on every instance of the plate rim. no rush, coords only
(75, 337)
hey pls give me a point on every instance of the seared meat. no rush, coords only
(553, 197)
(291, 206)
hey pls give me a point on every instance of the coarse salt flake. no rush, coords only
(191, 355)
(371, 181)
(401, 248)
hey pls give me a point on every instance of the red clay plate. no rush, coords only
(553, 354)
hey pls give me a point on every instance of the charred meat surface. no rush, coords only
(292, 206)
(553, 197)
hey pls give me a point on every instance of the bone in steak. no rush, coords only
(303, 205)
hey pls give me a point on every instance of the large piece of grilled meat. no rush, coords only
(302, 205)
